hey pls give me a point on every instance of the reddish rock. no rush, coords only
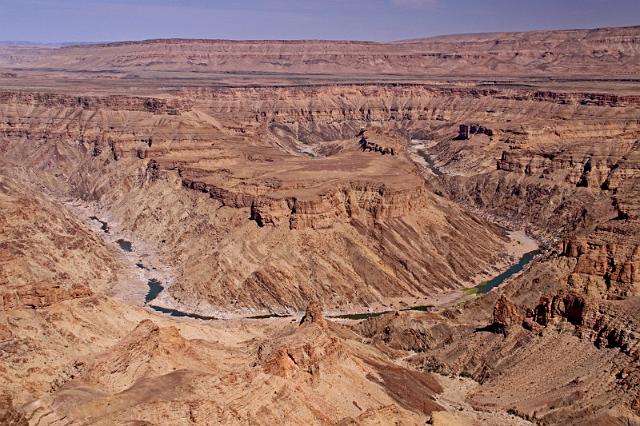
(531, 325)
(41, 296)
(465, 131)
(505, 313)
(313, 315)
(280, 363)
(593, 321)
(573, 308)
(153, 171)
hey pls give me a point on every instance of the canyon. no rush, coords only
(309, 232)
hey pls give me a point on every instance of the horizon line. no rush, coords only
(58, 44)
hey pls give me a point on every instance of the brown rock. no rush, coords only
(542, 312)
(463, 132)
(5, 332)
(41, 295)
(573, 308)
(505, 313)
(531, 325)
(313, 315)
(9, 415)
(280, 363)
(153, 171)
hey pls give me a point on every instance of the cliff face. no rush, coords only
(288, 158)
(129, 363)
(366, 200)
(40, 295)
(566, 174)
(358, 200)
(264, 217)
(112, 102)
(609, 50)
(607, 262)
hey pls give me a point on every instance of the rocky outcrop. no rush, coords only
(152, 173)
(317, 351)
(369, 200)
(607, 262)
(41, 296)
(467, 131)
(112, 102)
(313, 315)
(304, 351)
(289, 360)
(409, 331)
(5, 331)
(147, 351)
(581, 170)
(595, 321)
(506, 314)
(365, 145)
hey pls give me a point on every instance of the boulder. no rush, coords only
(543, 313)
(153, 171)
(465, 131)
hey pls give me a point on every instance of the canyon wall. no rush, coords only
(346, 227)
(604, 50)
(117, 149)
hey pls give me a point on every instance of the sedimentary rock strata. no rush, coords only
(249, 190)
(333, 198)
(609, 50)
(40, 295)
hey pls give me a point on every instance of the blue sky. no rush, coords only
(111, 20)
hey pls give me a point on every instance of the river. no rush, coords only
(156, 288)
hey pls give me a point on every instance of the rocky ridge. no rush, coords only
(609, 50)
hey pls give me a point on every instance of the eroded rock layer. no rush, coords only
(604, 50)
(263, 218)
(252, 193)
